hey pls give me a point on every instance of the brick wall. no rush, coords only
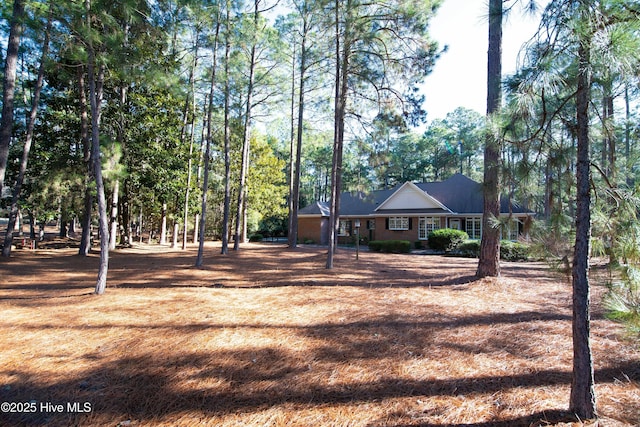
(309, 228)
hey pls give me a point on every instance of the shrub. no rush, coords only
(390, 246)
(446, 239)
(514, 251)
(469, 249)
(256, 238)
(623, 300)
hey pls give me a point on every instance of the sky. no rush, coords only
(459, 77)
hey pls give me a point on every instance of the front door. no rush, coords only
(454, 223)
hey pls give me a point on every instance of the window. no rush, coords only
(344, 228)
(398, 223)
(474, 228)
(426, 225)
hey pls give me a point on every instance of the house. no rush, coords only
(410, 212)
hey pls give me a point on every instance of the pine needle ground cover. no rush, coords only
(268, 337)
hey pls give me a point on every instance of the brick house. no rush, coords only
(410, 212)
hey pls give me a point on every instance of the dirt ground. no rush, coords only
(268, 337)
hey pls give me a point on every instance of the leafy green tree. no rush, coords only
(566, 64)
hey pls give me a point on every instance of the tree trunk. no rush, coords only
(627, 139)
(187, 192)
(342, 68)
(140, 226)
(227, 136)
(95, 96)
(63, 219)
(13, 210)
(295, 194)
(125, 216)
(85, 240)
(176, 231)
(207, 153)
(163, 227)
(114, 215)
(190, 102)
(9, 86)
(582, 400)
(489, 262)
(291, 228)
(246, 143)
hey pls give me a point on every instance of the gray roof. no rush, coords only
(461, 195)
(316, 208)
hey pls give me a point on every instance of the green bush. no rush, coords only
(469, 249)
(256, 238)
(446, 239)
(509, 251)
(390, 246)
(514, 251)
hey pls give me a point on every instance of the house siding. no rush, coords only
(310, 228)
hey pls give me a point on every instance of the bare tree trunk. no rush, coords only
(227, 136)
(489, 262)
(114, 215)
(342, 68)
(295, 194)
(140, 226)
(293, 220)
(203, 137)
(176, 231)
(125, 216)
(196, 228)
(207, 154)
(627, 138)
(95, 96)
(582, 400)
(9, 86)
(189, 103)
(163, 227)
(240, 231)
(13, 210)
(85, 240)
(187, 192)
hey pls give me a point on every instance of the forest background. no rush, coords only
(154, 122)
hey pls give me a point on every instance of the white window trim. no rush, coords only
(474, 221)
(400, 223)
(423, 226)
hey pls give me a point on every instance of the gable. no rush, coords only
(409, 197)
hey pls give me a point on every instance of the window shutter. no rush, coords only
(410, 223)
(386, 223)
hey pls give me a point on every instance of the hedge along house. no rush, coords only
(410, 212)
